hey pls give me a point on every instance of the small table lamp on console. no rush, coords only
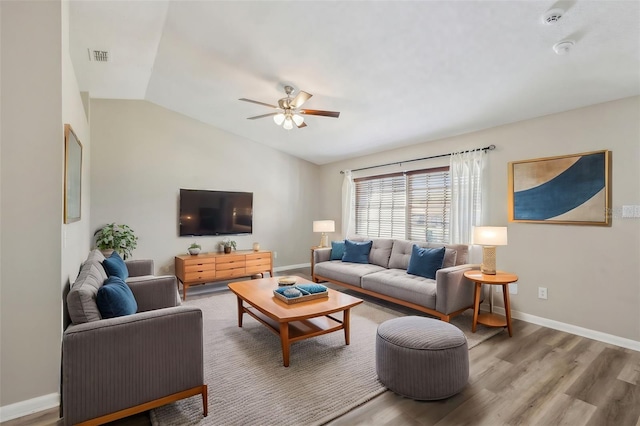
(489, 237)
(324, 226)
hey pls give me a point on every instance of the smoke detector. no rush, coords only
(563, 47)
(551, 17)
(98, 55)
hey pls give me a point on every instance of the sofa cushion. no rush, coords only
(455, 254)
(81, 299)
(380, 252)
(115, 299)
(356, 252)
(115, 266)
(425, 261)
(337, 250)
(397, 283)
(344, 272)
(95, 255)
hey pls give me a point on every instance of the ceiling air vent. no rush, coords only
(98, 55)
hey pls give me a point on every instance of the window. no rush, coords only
(414, 205)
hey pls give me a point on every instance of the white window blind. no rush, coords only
(414, 206)
(381, 206)
(429, 201)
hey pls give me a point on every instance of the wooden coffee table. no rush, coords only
(296, 321)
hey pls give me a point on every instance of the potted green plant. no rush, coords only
(120, 238)
(228, 245)
(194, 248)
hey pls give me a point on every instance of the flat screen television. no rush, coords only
(204, 212)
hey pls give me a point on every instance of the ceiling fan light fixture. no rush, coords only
(298, 119)
(278, 118)
(288, 123)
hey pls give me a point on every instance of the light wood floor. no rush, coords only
(539, 376)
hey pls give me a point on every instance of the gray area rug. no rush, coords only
(249, 386)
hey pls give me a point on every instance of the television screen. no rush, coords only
(215, 212)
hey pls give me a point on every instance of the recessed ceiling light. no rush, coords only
(551, 17)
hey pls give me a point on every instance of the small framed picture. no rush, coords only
(72, 175)
(570, 189)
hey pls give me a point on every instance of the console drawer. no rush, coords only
(199, 276)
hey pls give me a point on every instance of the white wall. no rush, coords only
(142, 154)
(592, 273)
(31, 204)
(76, 237)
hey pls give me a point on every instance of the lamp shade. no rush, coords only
(324, 226)
(490, 235)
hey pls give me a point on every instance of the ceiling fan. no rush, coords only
(289, 111)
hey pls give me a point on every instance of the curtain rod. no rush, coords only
(486, 148)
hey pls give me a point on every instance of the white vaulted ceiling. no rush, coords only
(400, 73)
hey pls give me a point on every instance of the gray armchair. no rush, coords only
(113, 368)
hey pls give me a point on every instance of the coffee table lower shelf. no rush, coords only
(298, 330)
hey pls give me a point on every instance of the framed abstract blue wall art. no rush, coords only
(569, 189)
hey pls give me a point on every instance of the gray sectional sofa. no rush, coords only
(386, 277)
(116, 367)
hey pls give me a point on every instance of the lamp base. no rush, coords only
(324, 240)
(488, 260)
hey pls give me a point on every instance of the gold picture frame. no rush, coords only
(72, 176)
(568, 189)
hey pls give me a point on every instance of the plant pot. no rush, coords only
(227, 249)
(194, 251)
(107, 252)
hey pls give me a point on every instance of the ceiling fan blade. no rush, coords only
(334, 114)
(257, 102)
(300, 98)
(303, 124)
(263, 115)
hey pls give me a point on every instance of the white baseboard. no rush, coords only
(287, 267)
(30, 406)
(573, 329)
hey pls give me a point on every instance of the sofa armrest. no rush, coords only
(117, 363)
(140, 267)
(453, 291)
(154, 292)
(321, 255)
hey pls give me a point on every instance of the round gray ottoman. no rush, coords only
(422, 358)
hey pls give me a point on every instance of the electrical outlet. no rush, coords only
(542, 293)
(513, 288)
(275, 254)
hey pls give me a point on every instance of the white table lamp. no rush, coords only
(324, 226)
(489, 237)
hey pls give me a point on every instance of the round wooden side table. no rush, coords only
(490, 319)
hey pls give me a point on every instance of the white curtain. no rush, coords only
(466, 194)
(348, 204)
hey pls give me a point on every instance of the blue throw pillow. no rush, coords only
(115, 299)
(425, 261)
(115, 266)
(356, 251)
(337, 250)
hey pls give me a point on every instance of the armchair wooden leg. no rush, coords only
(205, 401)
